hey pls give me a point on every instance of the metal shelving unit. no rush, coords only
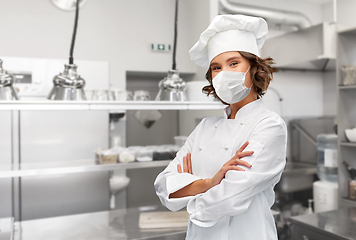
(77, 166)
(36, 169)
(346, 54)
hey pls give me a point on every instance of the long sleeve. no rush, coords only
(170, 181)
(236, 191)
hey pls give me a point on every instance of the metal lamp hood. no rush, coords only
(7, 91)
(172, 88)
(68, 85)
(278, 16)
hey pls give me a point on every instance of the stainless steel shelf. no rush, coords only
(346, 87)
(108, 105)
(348, 201)
(77, 166)
(344, 30)
(348, 144)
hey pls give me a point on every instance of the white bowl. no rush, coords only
(351, 134)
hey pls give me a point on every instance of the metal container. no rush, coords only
(68, 85)
(7, 91)
(172, 88)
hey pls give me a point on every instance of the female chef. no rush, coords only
(230, 164)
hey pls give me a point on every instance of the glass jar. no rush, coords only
(144, 154)
(129, 95)
(327, 158)
(100, 95)
(89, 94)
(111, 94)
(141, 95)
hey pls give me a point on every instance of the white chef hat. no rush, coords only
(229, 33)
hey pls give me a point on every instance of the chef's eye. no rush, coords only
(234, 63)
(215, 68)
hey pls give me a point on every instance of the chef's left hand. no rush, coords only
(187, 164)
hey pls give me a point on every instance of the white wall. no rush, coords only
(302, 93)
(346, 13)
(119, 32)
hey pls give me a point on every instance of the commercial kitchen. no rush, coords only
(97, 97)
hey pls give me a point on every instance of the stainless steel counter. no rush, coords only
(110, 225)
(118, 225)
(336, 224)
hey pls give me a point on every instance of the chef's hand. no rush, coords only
(187, 164)
(231, 164)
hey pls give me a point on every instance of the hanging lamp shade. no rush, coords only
(68, 85)
(172, 87)
(7, 91)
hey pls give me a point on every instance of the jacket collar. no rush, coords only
(246, 110)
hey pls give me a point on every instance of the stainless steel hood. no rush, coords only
(312, 48)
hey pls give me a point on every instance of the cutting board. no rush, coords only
(149, 220)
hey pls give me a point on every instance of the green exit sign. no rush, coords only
(161, 47)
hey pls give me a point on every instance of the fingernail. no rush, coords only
(250, 165)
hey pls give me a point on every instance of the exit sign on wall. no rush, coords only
(161, 47)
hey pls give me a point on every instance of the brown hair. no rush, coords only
(261, 75)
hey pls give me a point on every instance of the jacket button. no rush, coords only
(227, 147)
(200, 148)
(216, 126)
(242, 123)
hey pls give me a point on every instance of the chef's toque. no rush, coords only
(229, 33)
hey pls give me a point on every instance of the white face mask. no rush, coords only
(230, 86)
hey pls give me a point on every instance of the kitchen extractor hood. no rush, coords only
(312, 48)
(281, 17)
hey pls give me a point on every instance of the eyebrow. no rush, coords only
(232, 58)
(213, 64)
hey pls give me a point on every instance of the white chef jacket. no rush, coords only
(238, 207)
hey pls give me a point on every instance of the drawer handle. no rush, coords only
(305, 237)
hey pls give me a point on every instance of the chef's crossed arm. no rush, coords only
(201, 186)
(236, 191)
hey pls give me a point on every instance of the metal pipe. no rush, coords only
(335, 10)
(302, 131)
(282, 17)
